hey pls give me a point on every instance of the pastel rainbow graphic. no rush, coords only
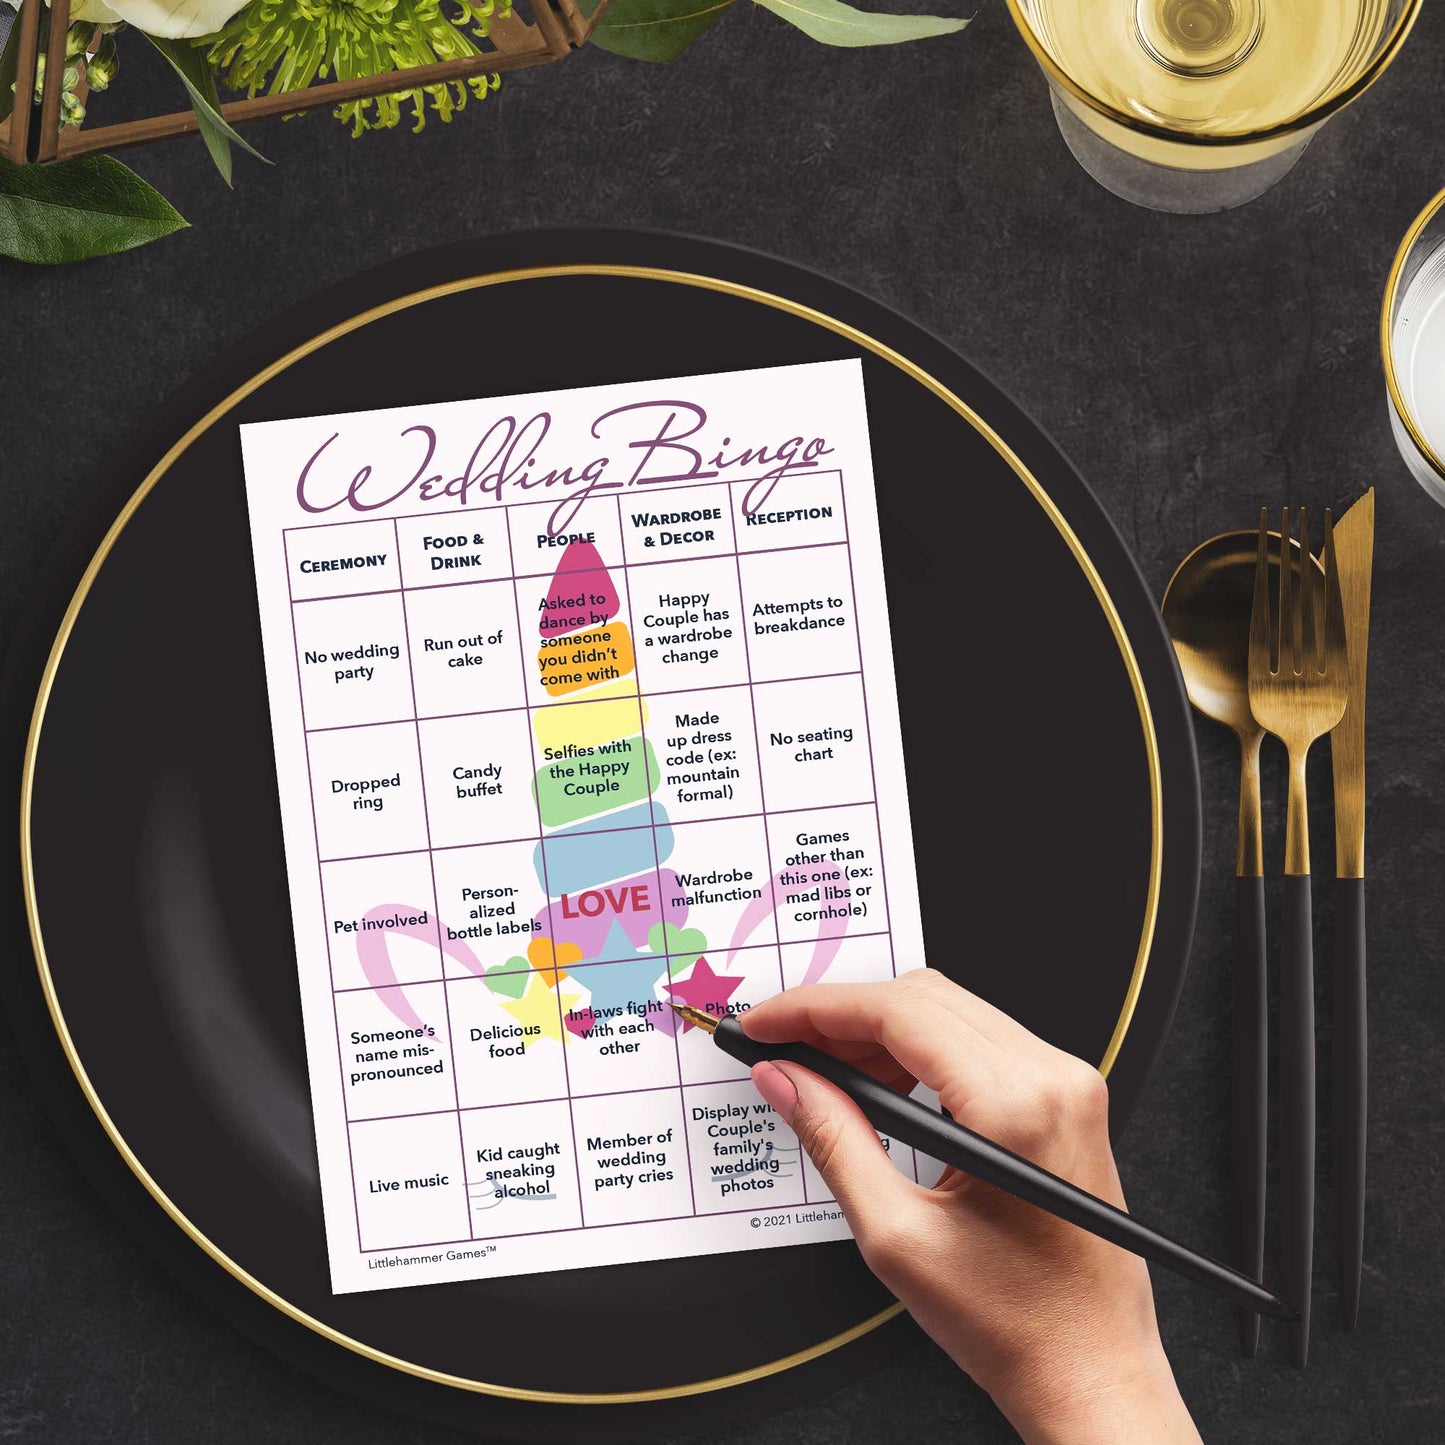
(610, 900)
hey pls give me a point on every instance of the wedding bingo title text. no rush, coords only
(653, 443)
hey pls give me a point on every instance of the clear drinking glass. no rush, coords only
(1200, 105)
(1412, 339)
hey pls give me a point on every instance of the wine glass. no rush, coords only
(1201, 105)
(1412, 340)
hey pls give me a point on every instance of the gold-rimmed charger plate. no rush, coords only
(163, 1013)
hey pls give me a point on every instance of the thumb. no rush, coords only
(842, 1144)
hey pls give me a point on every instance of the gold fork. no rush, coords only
(1298, 695)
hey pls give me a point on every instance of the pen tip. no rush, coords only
(693, 1016)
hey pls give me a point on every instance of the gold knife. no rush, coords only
(1354, 552)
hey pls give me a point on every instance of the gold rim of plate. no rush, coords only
(1304, 121)
(87, 580)
(1387, 350)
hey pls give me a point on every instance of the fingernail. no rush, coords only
(777, 1088)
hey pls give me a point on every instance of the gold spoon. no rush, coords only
(1206, 609)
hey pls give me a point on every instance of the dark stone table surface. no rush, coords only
(1192, 368)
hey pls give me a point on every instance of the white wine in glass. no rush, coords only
(1198, 105)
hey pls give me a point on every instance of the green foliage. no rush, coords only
(281, 45)
(95, 206)
(657, 30)
(82, 208)
(661, 30)
(200, 81)
(834, 23)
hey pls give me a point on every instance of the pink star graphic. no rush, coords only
(705, 990)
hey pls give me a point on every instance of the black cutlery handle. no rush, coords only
(1297, 1106)
(1349, 1061)
(1250, 1098)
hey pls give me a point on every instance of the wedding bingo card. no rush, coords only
(582, 702)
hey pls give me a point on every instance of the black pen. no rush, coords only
(936, 1135)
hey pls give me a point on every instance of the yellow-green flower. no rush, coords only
(279, 45)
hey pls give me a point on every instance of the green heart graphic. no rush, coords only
(684, 944)
(510, 979)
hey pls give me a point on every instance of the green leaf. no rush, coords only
(657, 30)
(93, 206)
(834, 23)
(200, 82)
(9, 66)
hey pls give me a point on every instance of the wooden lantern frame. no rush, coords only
(556, 29)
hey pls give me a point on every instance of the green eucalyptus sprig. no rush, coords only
(661, 30)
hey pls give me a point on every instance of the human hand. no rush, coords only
(1057, 1325)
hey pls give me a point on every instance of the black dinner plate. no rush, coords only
(1051, 773)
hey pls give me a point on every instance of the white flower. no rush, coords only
(94, 12)
(171, 19)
